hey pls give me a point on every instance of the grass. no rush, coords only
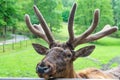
(102, 53)
(18, 64)
(21, 61)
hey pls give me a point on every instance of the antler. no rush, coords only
(98, 35)
(70, 24)
(86, 37)
(42, 31)
(34, 29)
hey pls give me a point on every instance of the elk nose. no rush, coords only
(42, 68)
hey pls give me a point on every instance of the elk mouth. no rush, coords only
(47, 76)
(44, 73)
(50, 73)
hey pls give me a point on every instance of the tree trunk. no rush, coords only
(5, 32)
(13, 30)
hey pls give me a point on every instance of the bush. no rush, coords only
(65, 15)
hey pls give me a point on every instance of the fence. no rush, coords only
(16, 41)
(51, 79)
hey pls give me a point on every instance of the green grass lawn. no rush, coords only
(21, 62)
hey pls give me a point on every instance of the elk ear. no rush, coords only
(85, 51)
(39, 48)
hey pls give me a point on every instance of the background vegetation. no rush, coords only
(57, 11)
(21, 61)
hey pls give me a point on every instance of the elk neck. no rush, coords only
(67, 73)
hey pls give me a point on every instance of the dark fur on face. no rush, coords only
(57, 58)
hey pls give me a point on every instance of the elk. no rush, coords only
(59, 57)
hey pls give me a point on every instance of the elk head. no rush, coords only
(59, 57)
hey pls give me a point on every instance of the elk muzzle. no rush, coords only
(44, 69)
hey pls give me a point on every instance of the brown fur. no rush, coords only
(89, 73)
(93, 73)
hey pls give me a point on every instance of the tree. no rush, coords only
(116, 10)
(67, 6)
(65, 15)
(8, 15)
(67, 3)
(51, 11)
(85, 10)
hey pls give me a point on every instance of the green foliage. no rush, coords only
(85, 10)
(65, 15)
(8, 12)
(116, 10)
(67, 3)
(51, 11)
(2, 14)
(67, 7)
(12, 16)
(9, 15)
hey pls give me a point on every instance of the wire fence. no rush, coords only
(15, 42)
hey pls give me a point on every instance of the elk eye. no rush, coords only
(69, 55)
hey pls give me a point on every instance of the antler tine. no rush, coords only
(33, 30)
(107, 30)
(44, 25)
(70, 24)
(90, 29)
(38, 27)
